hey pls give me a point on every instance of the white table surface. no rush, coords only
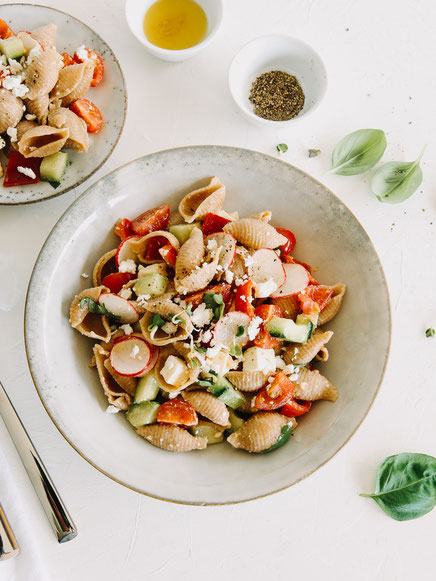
(381, 63)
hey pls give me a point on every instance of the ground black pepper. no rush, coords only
(276, 96)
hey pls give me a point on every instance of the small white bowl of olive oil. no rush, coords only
(174, 30)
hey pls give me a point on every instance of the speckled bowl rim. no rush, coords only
(239, 150)
(81, 180)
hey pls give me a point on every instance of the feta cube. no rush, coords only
(221, 363)
(257, 359)
(175, 371)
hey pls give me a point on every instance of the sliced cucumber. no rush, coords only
(282, 439)
(12, 48)
(183, 231)
(288, 330)
(303, 319)
(224, 391)
(152, 284)
(235, 422)
(208, 430)
(53, 167)
(141, 414)
(147, 388)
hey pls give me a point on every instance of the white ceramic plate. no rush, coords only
(328, 236)
(110, 97)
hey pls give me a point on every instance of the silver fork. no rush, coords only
(8, 544)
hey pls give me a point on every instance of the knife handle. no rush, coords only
(8, 543)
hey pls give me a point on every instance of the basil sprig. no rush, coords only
(97, 309)
(358, 152)
(215, 302)
(156, 321)
(406, 485)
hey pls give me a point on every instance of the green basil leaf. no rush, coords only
(156, 321)
(240, 331)
(358, 152)
(97, 309)
(406, 485)
(236, 350)
(215, 302)
(396, 181)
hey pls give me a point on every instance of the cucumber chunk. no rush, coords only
(12, 48)
(183, 231)
(303, 319)
(208, 430)
(235, 422)
(53, 167)
(288, 330)
(223, 390)
(141, 414)
(152, 284)
(147, 388)
(282, 439)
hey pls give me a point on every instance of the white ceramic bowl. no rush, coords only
(136, 10)
(328, 236)
(282, 53)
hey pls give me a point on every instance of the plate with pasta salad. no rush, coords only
(226, 313)
(62, 103)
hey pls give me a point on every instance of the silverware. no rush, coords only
(57, 514)
(8, 544)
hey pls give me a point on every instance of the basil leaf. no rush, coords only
(97, 309)
(215, 302)
(358, 152)
(406, 485)
(236, 350)
(240, 331)
(396, 181)
(156, 321)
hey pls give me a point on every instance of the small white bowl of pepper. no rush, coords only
(277, 80)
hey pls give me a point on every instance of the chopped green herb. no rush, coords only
(314, 152)
(236, 350)
(189, 309)
(212, 372)
(430, 332)
(240, 331)
(192, 363)
(282, 148)
(215, 302)
(176, 319)
(205, 382)
(97, 309)
(156, 321)
(200, 349)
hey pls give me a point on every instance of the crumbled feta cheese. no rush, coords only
(206, 336)
(219, 268)
(126, 293)
(201, 316)
(2, 143)
(248, 260)
(134, 352)
(265, 289)
(111, 409)
(142, 300)
(128, 265)
(33, 53)
(258, 359)
(30, 117)
(84, 275)
(241, 280)
(293, 377)
(27, 171)
(82, 53)
(211, 244)
(280, 364)
(229, 276)
(14, 84)
(12, 132)
(169, 328)
(127, 329)
(212, 352)
(253, 327)
(175, 371)
(221, 363)
(288, 369)
(15, 66)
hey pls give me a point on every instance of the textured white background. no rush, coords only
(381, 62)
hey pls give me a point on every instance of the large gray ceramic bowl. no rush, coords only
(328, 236)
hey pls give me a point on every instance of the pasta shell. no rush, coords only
(22, 127)
(42, 73)
(46, 35)
(333, 305)
(78, 137)
(114, 393)
(255, 233)
(290, 305)
(247, 380)
(228, 216)
(89, 324)
(11, 110)
(140, 247)
(105, 265)
(190, 254)
(163, 355)
(208, 406)
(198, 278)
(196, 204)
(39, 107)
(68, 80)
(127, 384)
(42, 141)
(311, 385)
(165, 307)
(258, 433)
(157, 268)
(299, 354)
(82, 86)
(171, 438)
(248, 406)
(322, 355)
(175, 219)
(265, 216)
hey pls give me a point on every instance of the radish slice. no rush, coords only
(297, 279)
(266, 271)
(130, 356)
(125, 252)
(228, 243)
(153, 360)
(225, 331)
(119, 307)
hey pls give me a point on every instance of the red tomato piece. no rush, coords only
(168, 254)
(274, 395)
(314, 298)
(179, 412)
(213, 223)
(5, 31)
(98, 65)
(294, 408)
(244, 297)
(90, 114)
(117, 280)
(223, 289)
(268, 312)
(264, 340)
(13, 177)
(123, 228)
(155, 244)
(67, 59)
(289, 246)
(152, 220)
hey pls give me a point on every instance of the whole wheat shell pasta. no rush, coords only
(164, 353)
(78, 136)
(105, 265)
(322, 355)
(22, 127)
(11, 110)
(175, 219)
(115, 394)
(140, 247)
(42, 73)
(69, 79)
(82, 87)
(290, 305)
(171, 438)
(196, 204)
(89, 324)
(258, 433)
(190, 254)
(42, 141)
(311, 385)
(247, 380)
(299, 354)
(208, 406)
(334, 304)
(159, 337)
(264, 216)
(45, 35)
(157, 268)
(200, 278)
(39, 108)
(255, 233)
(127, 384)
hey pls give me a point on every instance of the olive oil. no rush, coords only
(175, 24)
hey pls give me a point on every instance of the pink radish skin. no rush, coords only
(264, 267)
(297, 279)
(228, 242)
(124, 251)
(224, 332)
(131, 356)
(119, 307)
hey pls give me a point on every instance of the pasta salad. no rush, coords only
(207, 326)
(43, 109)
